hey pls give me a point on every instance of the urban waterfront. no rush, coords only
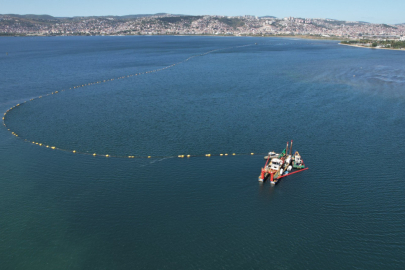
(342, 106)
(168, 24)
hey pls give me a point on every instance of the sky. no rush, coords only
(374, 11)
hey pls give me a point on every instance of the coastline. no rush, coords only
(358, 46)
(259, 36)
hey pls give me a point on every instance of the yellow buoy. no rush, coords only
(226, 154)
(188, 156)
(107, 155)
(233, 154)
(74, 151)
(94, 154)
(53, 147)
(252, 154)
(221, 155)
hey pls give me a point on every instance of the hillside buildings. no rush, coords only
(167, 24)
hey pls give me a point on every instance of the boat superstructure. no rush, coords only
(271, 154)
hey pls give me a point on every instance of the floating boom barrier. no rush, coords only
(52, 147)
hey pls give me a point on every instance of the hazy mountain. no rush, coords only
(51, 18)
(34, 17)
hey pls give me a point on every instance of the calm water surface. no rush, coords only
(342, 106)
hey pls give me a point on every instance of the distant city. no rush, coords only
(169, 24)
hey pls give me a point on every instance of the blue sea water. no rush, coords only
(342, 106)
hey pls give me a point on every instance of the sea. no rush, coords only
(83, 202)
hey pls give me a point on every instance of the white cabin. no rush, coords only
(275, 164)
(297, 158)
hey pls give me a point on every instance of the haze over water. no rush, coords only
(342, 106)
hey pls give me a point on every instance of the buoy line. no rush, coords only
(109, 80)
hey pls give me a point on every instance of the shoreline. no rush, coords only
(359, 46)
(259, 36)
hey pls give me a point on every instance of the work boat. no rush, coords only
(298, 162)
(271, 155)
(281, 165)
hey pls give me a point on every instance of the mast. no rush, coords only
(291, 148)
(286, 150)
